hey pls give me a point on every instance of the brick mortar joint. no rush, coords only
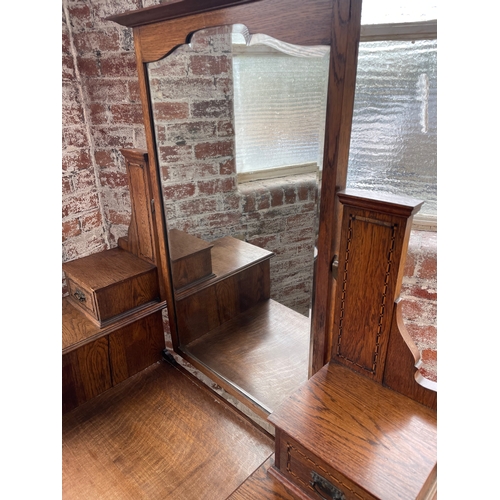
(87, 124)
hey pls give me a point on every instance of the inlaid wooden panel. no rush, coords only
(368, 268)
(370, 263)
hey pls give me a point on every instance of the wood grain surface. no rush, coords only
(78, 330)
(158, 435)
(136, 346)
(140, 239)
(345, 23)
(103, 269)
(285, 20)
(263, 352)
(85, 373)
(261, 485)
(190, 258)
(107, 284)
(384, 442)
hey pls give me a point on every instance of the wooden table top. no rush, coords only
(380, 439)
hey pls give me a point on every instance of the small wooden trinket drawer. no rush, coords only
(110, 284)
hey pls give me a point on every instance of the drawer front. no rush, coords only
(81, 296)
(315, 477)
(121, 298)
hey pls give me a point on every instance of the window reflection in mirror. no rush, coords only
(259, 233)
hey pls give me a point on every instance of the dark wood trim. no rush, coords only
(425, 30)
(161, 239)
(172, 10)
(343, 64)
(285, 20)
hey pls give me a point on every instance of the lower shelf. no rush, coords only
(264, 352)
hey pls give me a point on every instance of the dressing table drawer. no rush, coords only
(111, 284)
(312, 475)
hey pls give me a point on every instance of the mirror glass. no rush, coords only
(239, 127)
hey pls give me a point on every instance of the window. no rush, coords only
(394, 131)
(279, 106)
(280, 103)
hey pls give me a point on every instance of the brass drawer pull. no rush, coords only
(324, 488)
(80, 296)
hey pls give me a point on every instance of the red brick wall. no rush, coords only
(419, 296)
(102, 114)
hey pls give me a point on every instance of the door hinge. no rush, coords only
(152, 206)
(335, 267)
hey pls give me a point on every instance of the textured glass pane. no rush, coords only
(397, 11)
(394, 131)
(279, 107)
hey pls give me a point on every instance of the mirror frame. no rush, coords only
(158, 30)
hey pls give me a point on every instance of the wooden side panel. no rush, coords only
(205, 310)
(136, 346)
(140, 240)
(402, 363)
(85, 373)
(370, 252)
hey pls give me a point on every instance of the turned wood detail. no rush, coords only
(369, 335)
